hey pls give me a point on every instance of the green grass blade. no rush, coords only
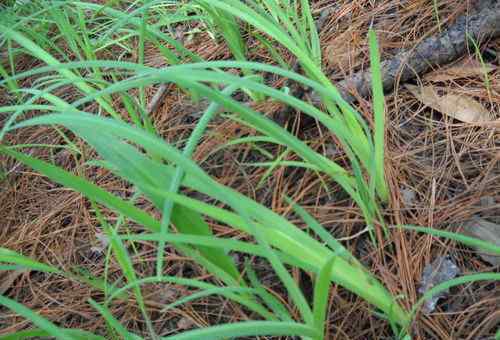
(320, 297)
(310, 26)
(69, 333)
(205, 293)
(42, 323)
(222, 260)
(379, 116)
(452, 283)
(467, 240)
(111, 320)
(212, 243)
(144, 173)
(87, 188)
(122, 256)
(323, 234)
(270, 300)
(246, 329)
(153, 32)
(41, 54)
(25, 334)
(10, 256)
(20, 261)
(228, 294)
(290, 239)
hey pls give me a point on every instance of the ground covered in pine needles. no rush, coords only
(441, 173)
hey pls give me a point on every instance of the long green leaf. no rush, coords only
(320, 298)
(219, 259)
(10, 256)
(87, 188)
(111, 320)
(467, 240)
(144, 173)
(452, 283)
(245, 329)
(379, 115)
(43, 55)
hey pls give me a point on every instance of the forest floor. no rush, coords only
(441, 172)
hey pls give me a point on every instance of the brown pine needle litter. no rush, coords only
(439, 171)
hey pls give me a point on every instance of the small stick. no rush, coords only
(157, 99)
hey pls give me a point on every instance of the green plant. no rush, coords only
(230, 29)
(264, 225)
(295, 30)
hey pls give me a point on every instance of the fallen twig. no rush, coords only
(437, 50)
(157, 99)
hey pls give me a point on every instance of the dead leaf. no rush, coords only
(459, 107)
(469, 67)
(486, 231)
(442, 269)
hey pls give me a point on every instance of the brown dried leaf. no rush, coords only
(459, 107)
(469, 67)
(486, 231)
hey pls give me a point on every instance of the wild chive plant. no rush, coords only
(157, 170)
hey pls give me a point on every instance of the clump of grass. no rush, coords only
(291, 24)
(229, 27)
(132, 150)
